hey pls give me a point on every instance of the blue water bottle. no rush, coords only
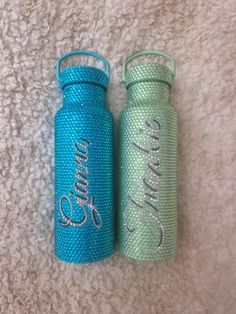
(84, 211)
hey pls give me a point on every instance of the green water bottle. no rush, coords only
(147, 224)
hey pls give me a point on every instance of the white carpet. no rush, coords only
(201, 36)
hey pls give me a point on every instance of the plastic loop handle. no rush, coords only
(148, 52)
(82, 52)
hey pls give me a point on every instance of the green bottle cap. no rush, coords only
(149, 72)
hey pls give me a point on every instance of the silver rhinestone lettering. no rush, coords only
(149, 148)
(80, 193)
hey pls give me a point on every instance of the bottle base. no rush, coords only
(162, 257)
(84, 261)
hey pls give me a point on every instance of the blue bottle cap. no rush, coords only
(83, 74)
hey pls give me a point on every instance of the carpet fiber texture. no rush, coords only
(201, 36)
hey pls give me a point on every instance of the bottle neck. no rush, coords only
(148, 92)
(83, 93)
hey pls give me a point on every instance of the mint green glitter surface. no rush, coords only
(148, 166)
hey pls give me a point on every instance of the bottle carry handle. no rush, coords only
(82, 52)
(148, 52)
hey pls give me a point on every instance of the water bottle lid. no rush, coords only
(149, 72)
(81, 73)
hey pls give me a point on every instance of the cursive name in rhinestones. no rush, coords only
(146, 204)
(80, 192)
